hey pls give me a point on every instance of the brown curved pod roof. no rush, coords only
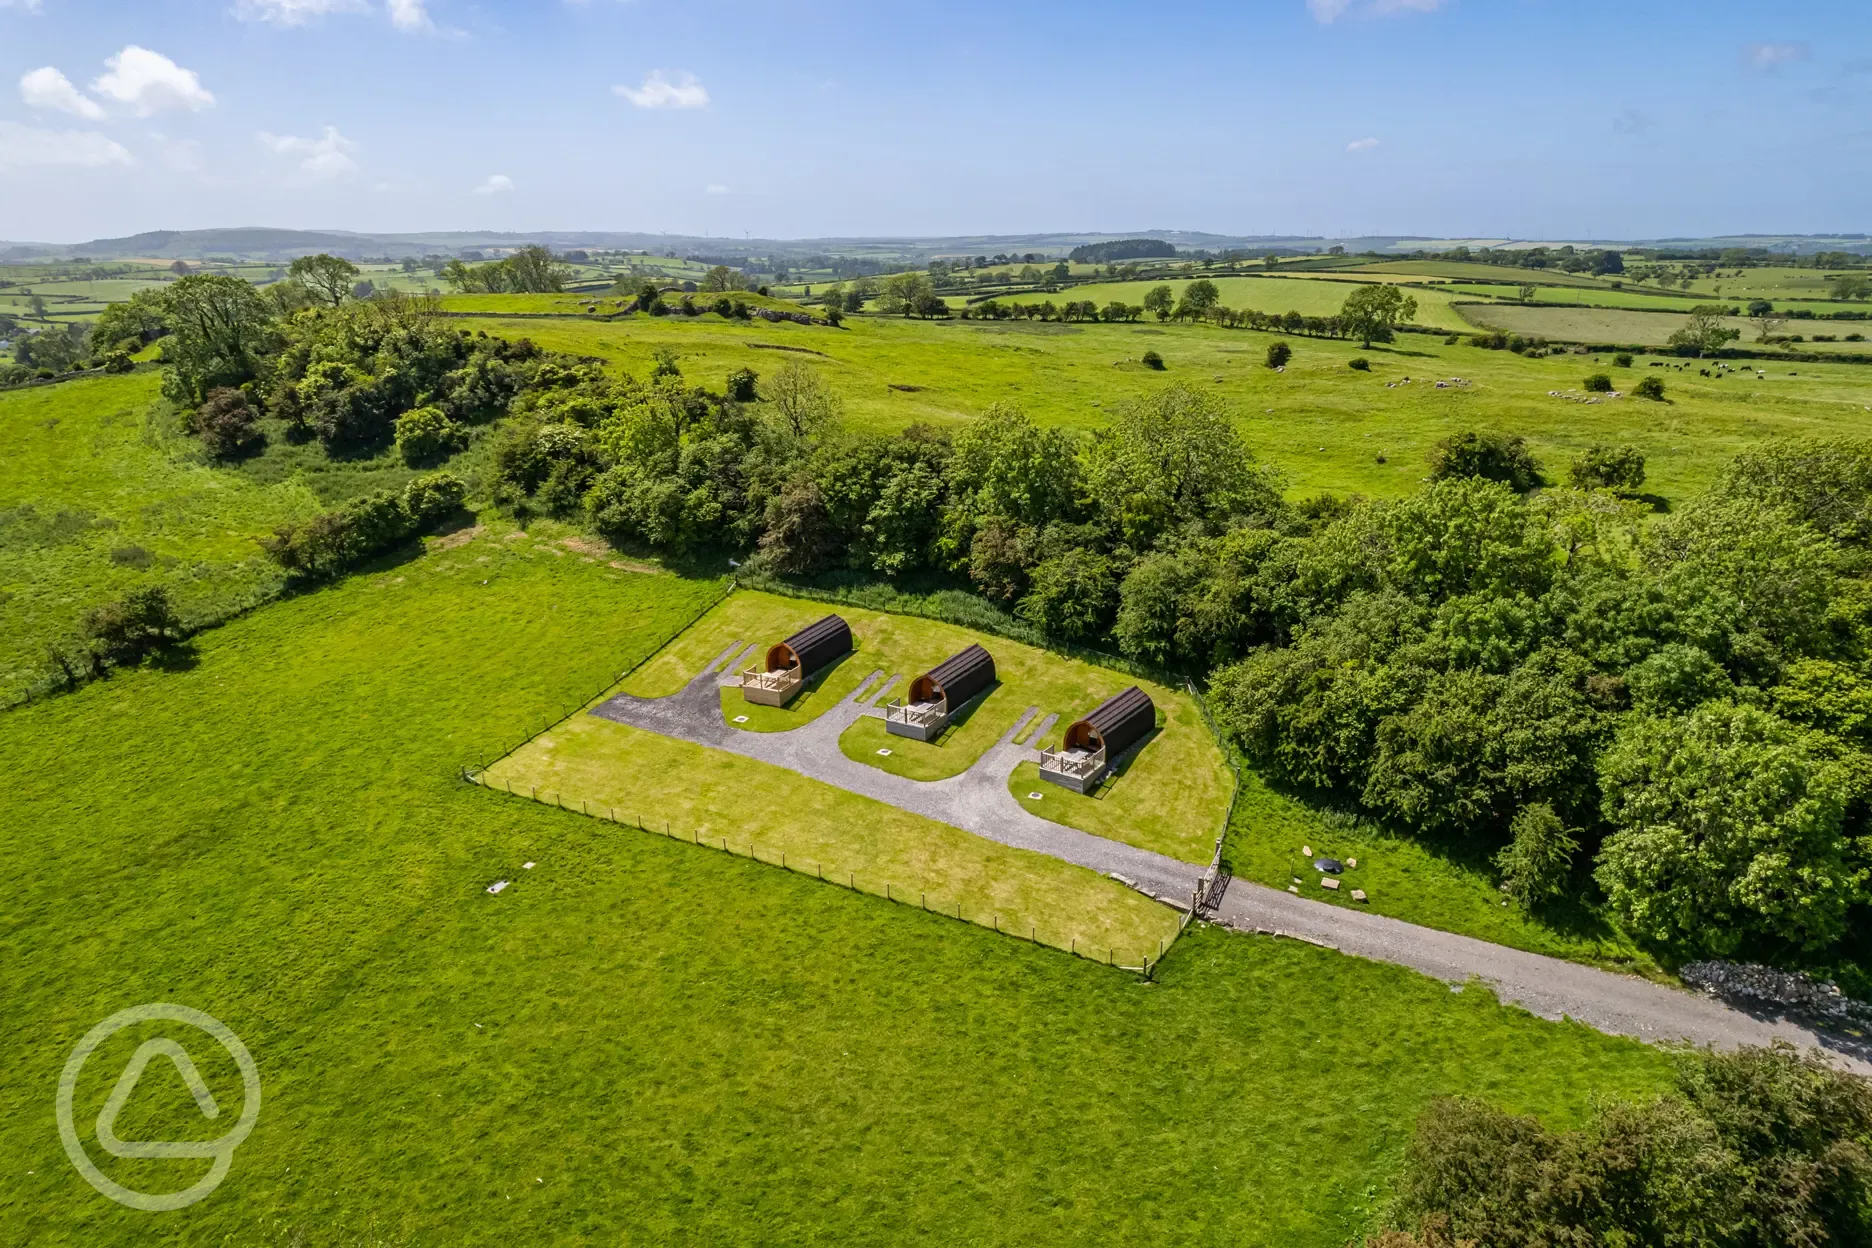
(812, 648)
(1118, 723)
(957, 678)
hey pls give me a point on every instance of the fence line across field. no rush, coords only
(892, 892)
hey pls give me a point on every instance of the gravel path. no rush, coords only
(978, 801)
(1622, 1005)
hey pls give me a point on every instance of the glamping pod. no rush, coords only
(791, 663)
(1093, 744)
(938, 693)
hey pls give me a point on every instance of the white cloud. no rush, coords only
(1329, 11)
(149, 82)
(497, 184)
(1769, 55)
(409, 15)
(715, 188)
(1361, 145)
(31, 6)
(406, 15)
(86, 149)
(324, 158)
(659, 92)
(48, 88)
(294, 12)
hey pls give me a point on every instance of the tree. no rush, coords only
(1527, 293)
(1599, 383)
(425, 433)
(742, 383)
(1370, 312)
(125, 630)
(1072, 596)
(804, 405)
(905, 293)
(329, 278)
(1486, 454)
(1852, 286)
(1201, 295)
(1175, 461)
(1620, 468)
(1768, 322)
(1538, 862)
(222, 335)
(227, 424)
(1705, 331)
(1160, 300)
(1729, 830)
(132, 324)
(1649, 388)
(721, 278)
(1278, 353)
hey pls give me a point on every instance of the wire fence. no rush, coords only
(1214, 881)
(1142, 963)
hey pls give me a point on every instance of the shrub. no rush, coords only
(124, 631)
(425, 433)
(119, 362)
(1623, 359)
(329, 543)
(1609, 468)
(1452, 340)
(741, 384)
(1491, 456)
(1359, 365)
(1153, 360)
(1537, 863)
(1072, 597)
(1278, 353)
(1650, 388)
(723, 307)
(1599, 383)
(227, 424)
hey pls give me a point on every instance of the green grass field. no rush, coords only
(100, 495)
(1649, 329)
(1309, 296)
(640, 1040)
(1322, 424)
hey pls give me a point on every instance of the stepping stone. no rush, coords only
(1351, 863)
(1294, 890)
(1307, 850)
(1329, 883)
(526, 866)
(497, 885)
(1358, 894)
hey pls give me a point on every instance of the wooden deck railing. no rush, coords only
(771, 682)
(1078, 766)
(921, 714)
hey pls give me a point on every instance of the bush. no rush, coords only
(425, 433)
(1622, 360)
(1538, 862)
(1491, 456)
(1359, 365)
(119, 362)
(1650, 388)
(1609, 468)
(1755, 1147)
(328, 544)
(1599, 383)
(1452, 340)
(1278, 353)
(741, 384)
(1073, 597)
(227, 424)
(1153, 360)
(122, 632)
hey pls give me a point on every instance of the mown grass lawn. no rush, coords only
(640, 1040)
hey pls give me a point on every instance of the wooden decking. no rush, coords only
(923, 721)
(770, 688)
(1073, 769)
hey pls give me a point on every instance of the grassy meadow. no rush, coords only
(1309, 296)
(1643, 328)
(1325, 426)
(102, 494)
(640, 1040)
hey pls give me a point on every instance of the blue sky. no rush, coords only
(1471, 118)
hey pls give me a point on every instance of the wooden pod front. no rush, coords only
(812, 648)
(1116, 725)
(956, 679)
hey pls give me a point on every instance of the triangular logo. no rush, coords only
(126, 1087)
